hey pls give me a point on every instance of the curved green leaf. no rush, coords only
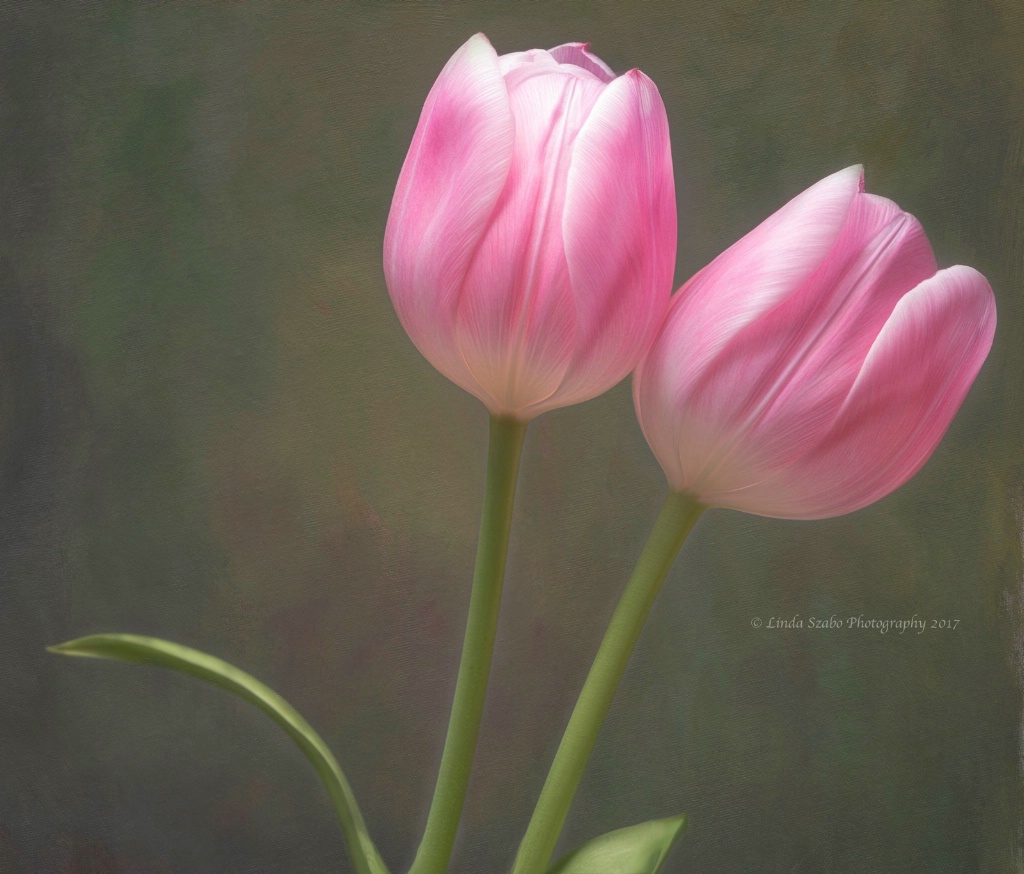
(153, 651)
(636, 849)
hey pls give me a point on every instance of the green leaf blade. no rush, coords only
(636, 849)
(166, 654)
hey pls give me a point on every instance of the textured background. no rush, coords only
(213, 429)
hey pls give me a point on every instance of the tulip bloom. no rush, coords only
(814, 366)
(531, 242)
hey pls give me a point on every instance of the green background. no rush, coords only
(213, 429)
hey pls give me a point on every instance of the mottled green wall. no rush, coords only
(213, 429)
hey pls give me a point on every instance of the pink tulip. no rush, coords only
(814, 366)
(531, 242)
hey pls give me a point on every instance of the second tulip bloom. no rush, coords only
(813, 366)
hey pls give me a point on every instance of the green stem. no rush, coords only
(678, 515)
(210, 669)
(504, 452)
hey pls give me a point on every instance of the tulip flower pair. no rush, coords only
(806, 372)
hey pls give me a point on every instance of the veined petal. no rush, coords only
(824, 332)
(517, 67)
(787, 373)
(619, 227)
(577, 54)
(700, 374)
(911, 385)
(758, 272)
(451, 180)
(515, 319)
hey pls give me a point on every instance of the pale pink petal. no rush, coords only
(516, 319)
(577, 54)
(824, 331)
(787, 373)
(530, 57)
(451, 180)
(911, 385)
(757, 273)
(517, 67)
(619, 226)
(748, 280)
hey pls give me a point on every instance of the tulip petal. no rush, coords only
(757, 273)
(798, 319)
(881, 255)
(913, 380)
(517, 67)
(619, 227)
(516, 318)
(451, 180)
(576, 53)
(787, 373)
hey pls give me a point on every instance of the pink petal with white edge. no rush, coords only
(451, 180)
(619, 227)
(516, 319)
(787, 374)
(674, 385)
(758, 272)
(911, 385)
(881, 255)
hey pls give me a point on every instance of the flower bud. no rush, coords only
(531, 242)
(814, 366)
